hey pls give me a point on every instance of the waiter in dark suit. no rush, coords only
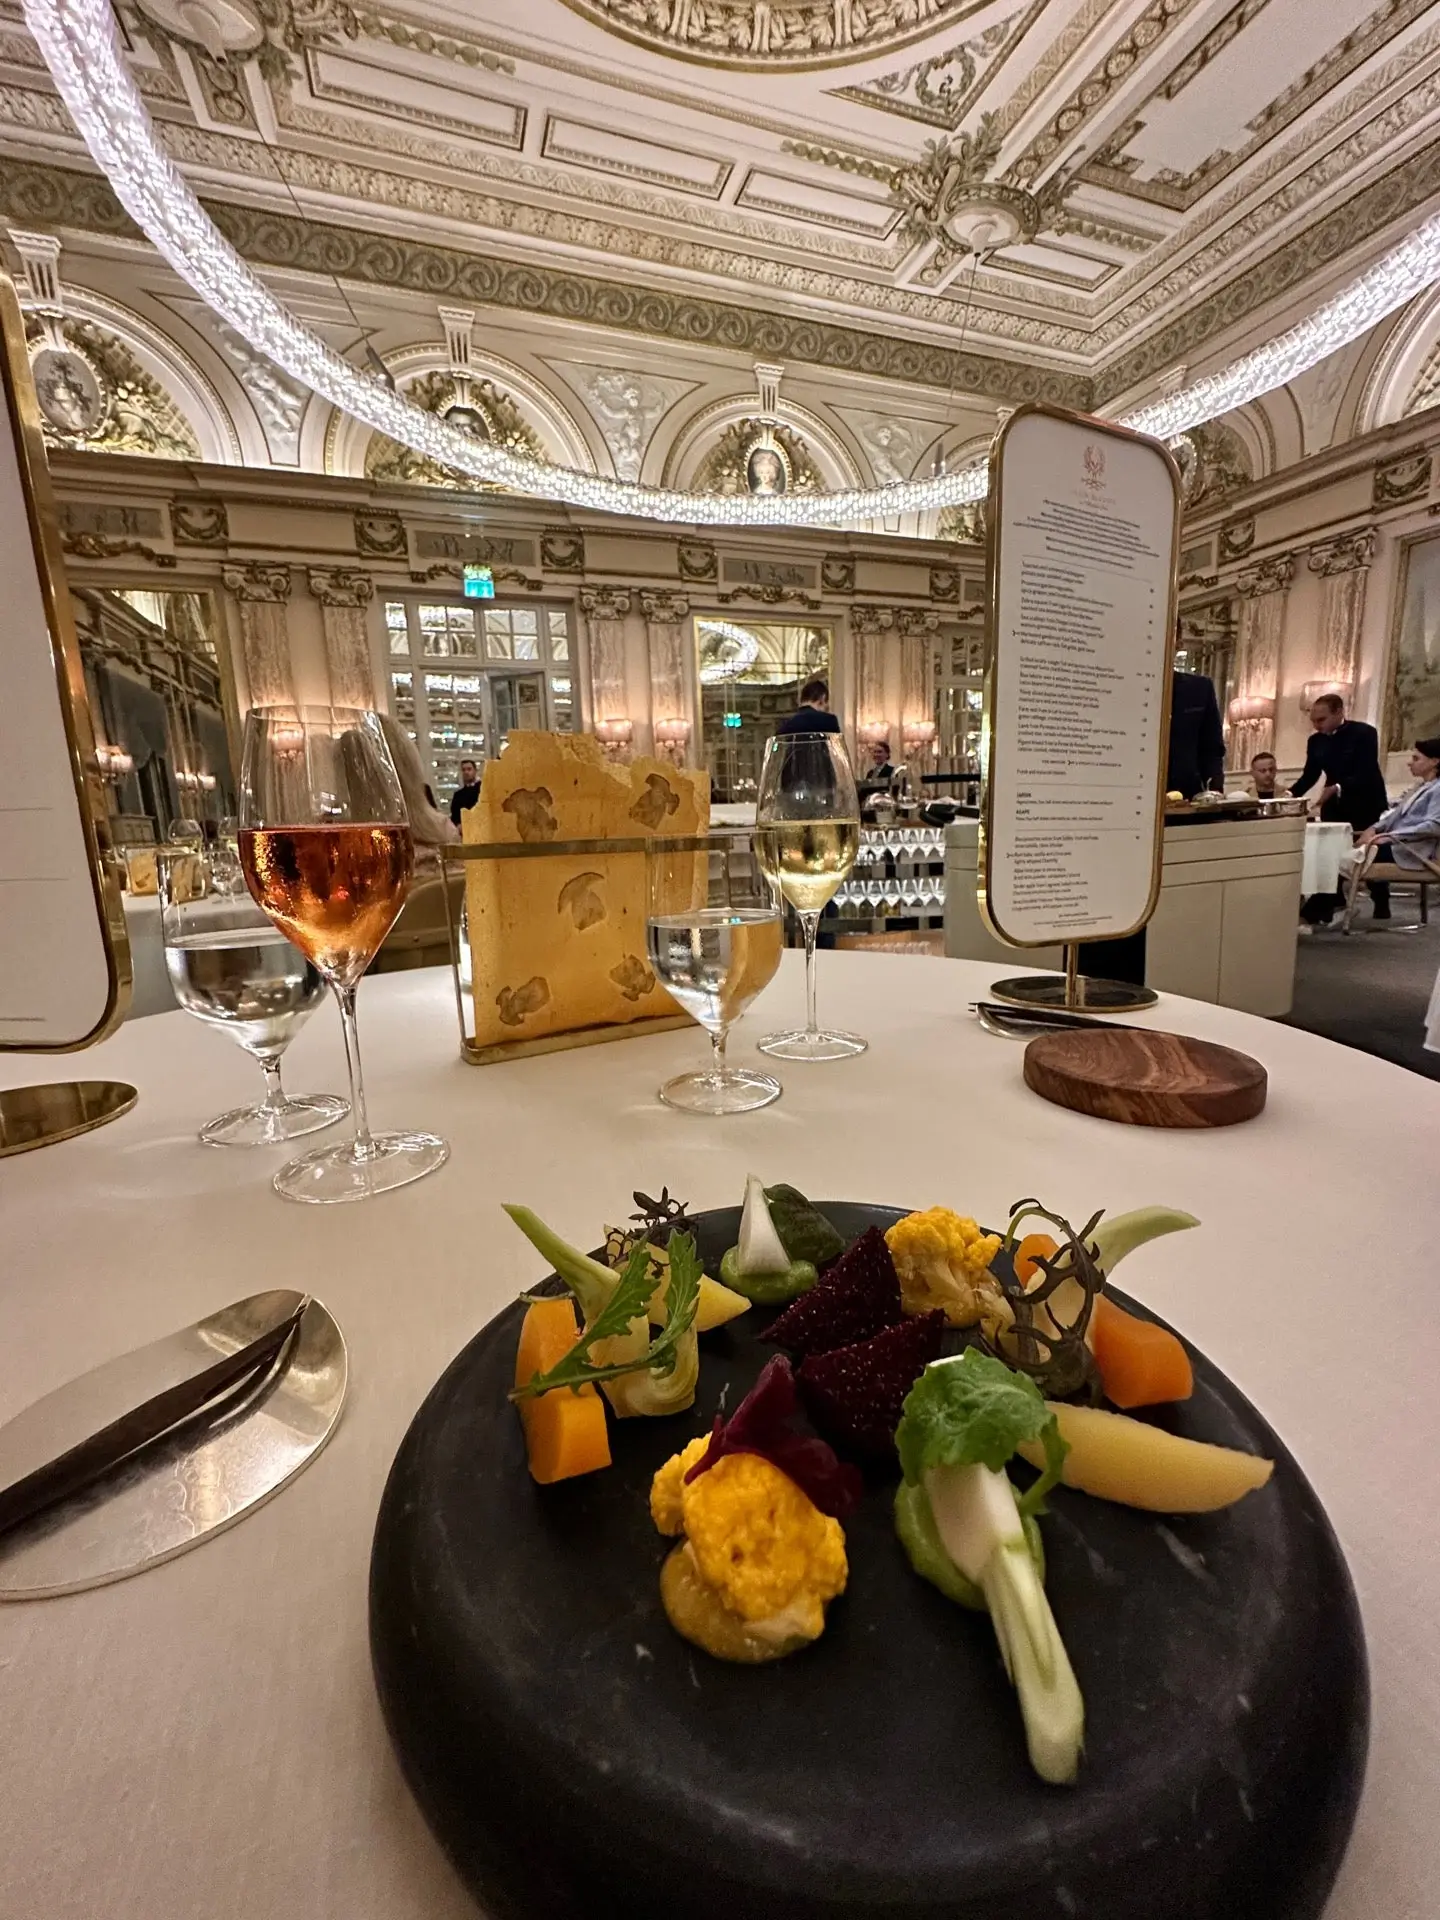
(1197, 740)
(1344, 755)
(813, 714)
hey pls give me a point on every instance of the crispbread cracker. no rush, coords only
(558, 942)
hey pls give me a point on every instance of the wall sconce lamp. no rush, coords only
(671, 733)
(614, 732)
(1252, 706)
(1313, 690)
(918, 734)
(872, 732)
(114, 763)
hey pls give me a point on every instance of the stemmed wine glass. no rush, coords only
(808, 833)
(327, 853)
(713, 935)
(231, 968)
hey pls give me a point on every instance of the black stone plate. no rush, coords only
(579, 1761)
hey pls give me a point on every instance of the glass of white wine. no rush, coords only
(808, 834)
(714, 936)
(231, 968)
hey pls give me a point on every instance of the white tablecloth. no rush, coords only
(203, 1742)
(1325, 841)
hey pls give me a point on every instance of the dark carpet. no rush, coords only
(1370, 989)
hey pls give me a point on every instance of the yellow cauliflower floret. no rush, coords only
(667, 1489)
(943, 1260)
(757, 1540)
(760, 1542)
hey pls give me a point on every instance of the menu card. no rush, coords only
(58, 965)
(1084, 537)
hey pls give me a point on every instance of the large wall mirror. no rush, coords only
(163, 705)
(750, 675)
(1413, 708)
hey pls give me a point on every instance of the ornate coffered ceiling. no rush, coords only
(1063, 198)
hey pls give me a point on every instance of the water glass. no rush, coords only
(231, 968)
(713, 933)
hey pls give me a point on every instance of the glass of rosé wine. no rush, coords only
(327, 853)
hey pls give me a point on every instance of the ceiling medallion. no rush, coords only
(757, 35)
(948, 204)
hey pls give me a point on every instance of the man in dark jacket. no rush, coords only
(1344, 755)
(814, 715)
(468, 791)
(1197, 739)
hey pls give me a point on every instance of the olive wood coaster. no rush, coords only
(1145, 1078)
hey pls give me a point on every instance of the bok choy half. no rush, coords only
(966, 1528)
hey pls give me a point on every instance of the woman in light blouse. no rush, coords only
(1406, 835)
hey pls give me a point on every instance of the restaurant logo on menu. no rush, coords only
(1094, 467)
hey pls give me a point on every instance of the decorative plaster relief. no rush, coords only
(1344, 553)
(199, 523)
(1237, 538)
(94, 395)
(771, 35)
(627, 407)
(892, 443)
(697, 561)
(381, 535)
(1406, 477)
(1271, 575)
(561, 550)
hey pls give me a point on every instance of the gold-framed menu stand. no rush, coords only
(1081, 562)
(64, 957)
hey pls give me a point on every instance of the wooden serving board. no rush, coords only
(1146, 1079)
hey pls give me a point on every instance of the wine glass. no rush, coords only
(808, 821)
(713, 936)
(231, 968)
(326, 847)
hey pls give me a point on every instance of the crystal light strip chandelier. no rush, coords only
(81, 46)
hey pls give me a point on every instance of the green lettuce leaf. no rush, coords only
(977, 1410)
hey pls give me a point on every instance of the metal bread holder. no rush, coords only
(461, 855)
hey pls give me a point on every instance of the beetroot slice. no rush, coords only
(761, 1424)
(855, 1394)
(858, 1296)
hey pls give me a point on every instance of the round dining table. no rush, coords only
(203, 1741)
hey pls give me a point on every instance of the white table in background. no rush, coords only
(203, 1742)
(1325, 841)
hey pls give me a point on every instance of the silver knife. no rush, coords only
(79, 1432)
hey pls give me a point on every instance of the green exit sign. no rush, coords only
(733, 720)
(479, 582)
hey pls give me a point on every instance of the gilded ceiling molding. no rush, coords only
(37, 194)
(1414, 183)
(1095, 89)
(1111, 167)
(1406, 190)
(766, 36)
(941, 90)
